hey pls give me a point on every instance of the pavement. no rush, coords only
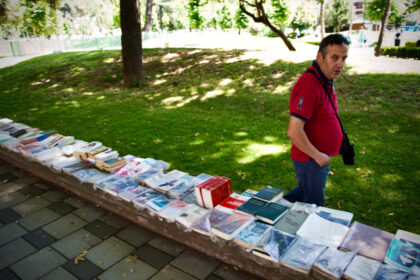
(46, 233)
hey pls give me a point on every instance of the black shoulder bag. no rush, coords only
(346, 149)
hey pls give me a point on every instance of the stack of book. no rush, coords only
(300, 236)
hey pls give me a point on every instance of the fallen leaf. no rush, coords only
(370, 211)
(338, 204)
(364, 215)
(390, 214)
(100, 262)
(197, 133)
(124, 275)
(128, 260)
(80, 257)
(131, 269)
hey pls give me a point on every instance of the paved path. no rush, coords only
(43, 230)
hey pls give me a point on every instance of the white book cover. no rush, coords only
(158, 164)
(69, 149)
(176, 174)
(190, 215)
(141, 200)
(322, 231)
(155, 180)
(85, 174)
(173, 210)
(102, 184)
(131, 193)
(362, 268)
(49, 154)
(159, 203)
(334, 215)
(133, 168)
(181, 187)
(409, 238)
(167, 184)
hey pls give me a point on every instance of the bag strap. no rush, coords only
(328, 94)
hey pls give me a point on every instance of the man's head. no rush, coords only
(332, 55)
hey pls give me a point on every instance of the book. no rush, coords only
(158, 164)
(301, 255)
(269, 194)
(60, 162)
(402, 255)
(232, 202)
(173, 210)
(5, 121)
(81, 152)
(251, 206)
(47, 154)
(106, 155)
(408, 238)
(367, 241)
(176, 174)
(332, 263)
(85, 174)
(181, 188)
(190, 198)
(271, 212)
(208, 221)
(159, 203)
(131, 193)
(70, 148)
(167, 184)
(146, 174)
(98, 150)
(155, 180)
(305, 207)
(334, 215)
(250, 235)
(190, 214)
(64, 141)
(113, 163)
(249, 193)
(389, 272)
(232, 225)
(273, 245)
(140, 201)
(291, 221)
(213, 191)
(72, 167)
(102, 184)
(204, 177)
(361, 268)
(319, 230)
(132, 168)
(117, 186)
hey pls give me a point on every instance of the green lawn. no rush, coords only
(211, 111)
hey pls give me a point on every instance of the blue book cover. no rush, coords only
(302, 254)
(402, 256)
(251, 206)
(251, 234)
(271, 212)
(159, 203)
(269, 193)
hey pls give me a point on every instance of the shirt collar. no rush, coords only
(321, 74)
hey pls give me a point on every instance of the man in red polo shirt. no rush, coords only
(314, 129)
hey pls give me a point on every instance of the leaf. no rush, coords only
(100, 262)
(124, 275)
(80, 257)
(131, 269)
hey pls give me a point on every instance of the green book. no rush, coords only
(291, 221)
(269, 194)
(271, 212)
(251, 206)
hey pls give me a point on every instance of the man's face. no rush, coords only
(333, 62)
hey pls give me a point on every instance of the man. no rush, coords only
(314, 129)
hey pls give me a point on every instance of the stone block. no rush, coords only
(196, 264)
(89, 213)
(170, 272)
(10, 232)
(130, 269)
(64, 226)
(75, 243)
(31, 205)
(14, 251)
(152, 256)
(136, 235)
(38, 219)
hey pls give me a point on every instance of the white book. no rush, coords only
(131, 193)
(334, 215)
(5, 121)
(108, 154)
(69, 149)
(362, 268)
(159, 203)
(176, 174)
(190, 215)
(173, 210)
(140, 201)
(48, 154)
(409, 238)
(155, 180)
(321, 231)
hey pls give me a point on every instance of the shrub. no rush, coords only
(403, 52)
(411, 44)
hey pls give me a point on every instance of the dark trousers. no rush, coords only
(311, 182)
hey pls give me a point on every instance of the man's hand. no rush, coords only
(322, 159)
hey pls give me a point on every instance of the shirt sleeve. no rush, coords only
(303, 99)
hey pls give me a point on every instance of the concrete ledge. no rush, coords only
(222, 250)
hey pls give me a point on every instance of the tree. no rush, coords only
(39, 18)
(196, 20)
(304, 17)
(132, 51)
(262, 17)
(375, 10)
(225, 19)
(337, 14)
(241, 20)
(321, 18)
(149, 13)
(381, 33)
(280, 12)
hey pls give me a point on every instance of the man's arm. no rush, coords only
(299, 138)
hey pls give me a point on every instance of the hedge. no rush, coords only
(403, 52)
(411, 44)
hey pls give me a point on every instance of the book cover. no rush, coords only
(271, 212)
(232, 202)
(132, 168)
(191, 214)
(116, 187)
(159, 203)
(158, 164)
(319, 230)
(131, 193)
(173, 210)
(251, 206)
(409, 238)
(269, 193)
(86, 173)
(402, 256)
(232, 225)
(167, 184)
(334, 215)
(250, 235)
(249, 193)
(291, 221)
(332, 263)
(217, 189)
(389, 272)
(273, 245)
(301, 255)
(176, 174)
(361, 268)
(205, 224)
(102, 184)
(146, 174)
(181, 187)
(141, 200)
(367, 241)
(190, 198)
(72, 167)
(155, 180)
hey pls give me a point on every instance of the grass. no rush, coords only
(211, 111)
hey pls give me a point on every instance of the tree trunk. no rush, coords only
(148, 23)
(381, 33)
(321, 20)
(132, 51)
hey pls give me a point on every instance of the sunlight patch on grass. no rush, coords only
(68, 89)
(393, 128)
(110, 60)
(281, 89)
(195, 51)
(74, 104)
(88, 93)
(230, 92)
(177, 101)
(391, 178)
(158, 82)
(225, 82)
(278, 75)
(254, 151)
(197, 142)
(53, 86)
(212, 94)
(260, 56)
(204, 61)
(100, 97)
(241, 134)
(169, 57)
(270, 139)
(249, 82)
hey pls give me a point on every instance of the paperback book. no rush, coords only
(251, 206)
(102, 184)
(155, 180)
(232, 225)
(208, 221)
(367, 241)
(301, 255)
(146, 174)
(291, 221)
(191, 214)
(86, 173)
(173, 210)
(269, 194)
(321, 231)
(334, 215)
(273, 245)
(177, 174)
(140, 201)
(271, 212)
(181, 188)
(408, 238)
(117, 186)
(402, 256)
(250, 235)
(389, 272)
(249, 193)
(159, 203)
(332, 263)
(232, 202)
(131, 193)
(361, 268)
(167, 184)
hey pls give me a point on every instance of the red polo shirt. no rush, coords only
(310, 103)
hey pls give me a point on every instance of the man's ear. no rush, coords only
(319, 56)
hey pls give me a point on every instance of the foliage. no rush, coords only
(337, 14)
(413, 5)
(375, 10)
(224, 18)
(39, 18)
(412, 44)
(402, 52)
(196, 20)
(304, 17)
(280, 13)
(229, 117)
(241, 20)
